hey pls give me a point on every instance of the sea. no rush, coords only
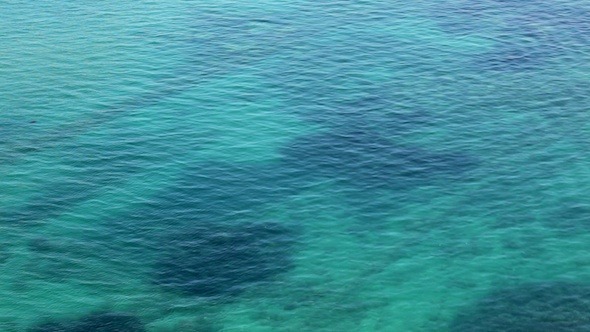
(294, 165)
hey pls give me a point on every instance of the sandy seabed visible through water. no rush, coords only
(294, 166)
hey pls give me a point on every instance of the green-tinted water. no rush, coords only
(294, 166)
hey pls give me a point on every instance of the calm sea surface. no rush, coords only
(294, 165)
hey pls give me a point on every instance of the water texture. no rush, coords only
(294, 165)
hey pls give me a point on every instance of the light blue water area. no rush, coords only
(294, 165)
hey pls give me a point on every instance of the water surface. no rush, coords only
(294, 166)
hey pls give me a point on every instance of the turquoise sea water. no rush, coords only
(294, 165)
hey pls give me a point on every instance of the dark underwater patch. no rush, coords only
(90, 169)
(516, 58)
(570, 217)
(368, 160)
(99, 322)
(329, 91)
(223, 260)
(218, 192)
(205, 198)
(233, 41)
(57, 260)
(237, 38)
(529, 34)
(371, 113)
(538, 307)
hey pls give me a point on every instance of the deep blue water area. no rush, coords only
(294, 165)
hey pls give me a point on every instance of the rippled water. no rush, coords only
(294, 165)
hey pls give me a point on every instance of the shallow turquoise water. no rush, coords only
(294, 166)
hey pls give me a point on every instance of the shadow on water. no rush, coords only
(538, 307)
